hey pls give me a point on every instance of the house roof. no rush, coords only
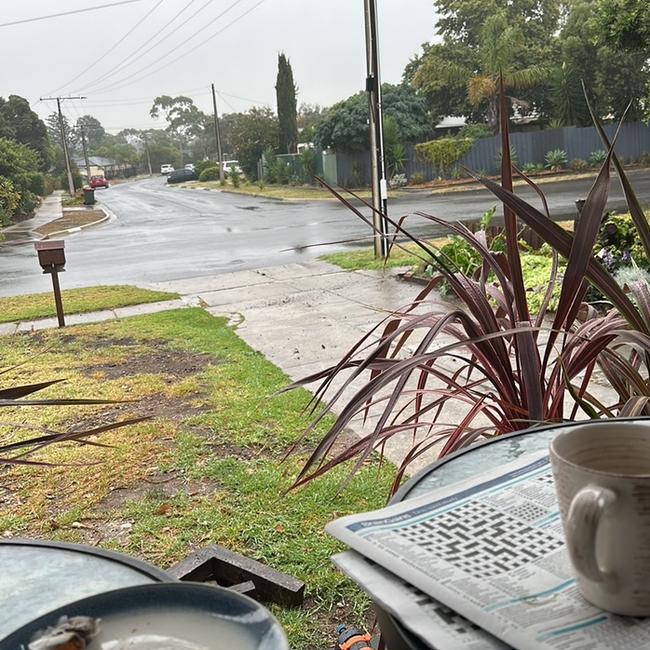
(95, 161)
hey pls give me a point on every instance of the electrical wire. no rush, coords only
(110, 49)
(68, 13)
(189, 38)
(128, 59)
(118, 85)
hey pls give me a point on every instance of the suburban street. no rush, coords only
(160, 233)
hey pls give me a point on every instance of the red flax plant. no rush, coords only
(20, 452)
(510, 369)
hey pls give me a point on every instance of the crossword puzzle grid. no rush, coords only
(481, 540)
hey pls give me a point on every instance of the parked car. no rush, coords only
(98, 181)
(189, 166)
(182, 175)
(166, 169)
(229, 165)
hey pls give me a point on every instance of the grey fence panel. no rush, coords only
(530, 147)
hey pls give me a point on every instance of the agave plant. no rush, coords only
(507, 368)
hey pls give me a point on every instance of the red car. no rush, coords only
(98, 181)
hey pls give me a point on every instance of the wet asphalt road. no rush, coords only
(161, 233)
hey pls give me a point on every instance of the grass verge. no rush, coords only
(77, 301)
(206, 469)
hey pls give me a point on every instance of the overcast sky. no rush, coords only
(324, 40)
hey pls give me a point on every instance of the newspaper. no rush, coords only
(439, 627)
(492, 549)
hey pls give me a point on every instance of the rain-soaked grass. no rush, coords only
(205, 469)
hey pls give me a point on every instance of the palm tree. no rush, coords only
(500, 44)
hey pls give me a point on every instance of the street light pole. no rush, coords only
(377, 161)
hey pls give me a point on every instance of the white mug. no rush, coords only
(602, 478)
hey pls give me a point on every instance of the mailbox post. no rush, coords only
(51, 257)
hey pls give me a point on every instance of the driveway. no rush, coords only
(160, 233)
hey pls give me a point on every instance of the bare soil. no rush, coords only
(71, 219)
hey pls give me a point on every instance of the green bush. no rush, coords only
(50, 183)
(443, 152)
(234, 177)
(417, 178)
(532, 168)
(556, 159)
(597, 158)
(209, 174)
(9, 200)
(308, 159)
(202, 165)
(20, 164)
(514, 158)
(475, 131)
(578, 165)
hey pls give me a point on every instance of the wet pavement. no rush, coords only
(159, 233)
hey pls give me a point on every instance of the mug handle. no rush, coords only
(585, 513)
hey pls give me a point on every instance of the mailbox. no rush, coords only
(51, 254)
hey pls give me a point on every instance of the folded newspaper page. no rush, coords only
(492, 549)
(439, 627)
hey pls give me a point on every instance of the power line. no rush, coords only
(110, 49)
(120, 65)
(189, 38)
(68, 13)
(119, 85)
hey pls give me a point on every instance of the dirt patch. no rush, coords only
(166, 362)
(71, 219)
(158, 486)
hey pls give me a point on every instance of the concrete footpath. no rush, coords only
(303, 318)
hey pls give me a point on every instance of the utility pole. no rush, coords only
(64, 142)
(85, 148)
(377, 161)
(146, 148)
(217, 133)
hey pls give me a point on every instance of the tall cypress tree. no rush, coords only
(286, 95)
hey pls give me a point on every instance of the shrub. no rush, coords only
(578, 165)
(202, 165)
(443, 152)
(597, 158)
(308, 159)
(9, 200)
(50, 183)
(417, 178)
(644, 160)
(209, 174)
(235, 177)
(20, 164)
(555, 159)
(532, 168)
(475, 131)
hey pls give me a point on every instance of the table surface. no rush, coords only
(36, 578)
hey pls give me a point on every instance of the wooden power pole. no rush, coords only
(64, 141)
(217, 133)
(377, 161)
(85, 148)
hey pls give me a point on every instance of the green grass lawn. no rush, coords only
(364, 258)
(206, 469)
(77, 301)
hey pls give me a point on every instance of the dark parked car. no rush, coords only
(182, 175)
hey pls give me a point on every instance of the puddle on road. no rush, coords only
(248, 207)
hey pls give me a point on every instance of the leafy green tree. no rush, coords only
(95, 132)
(309, 115)
(345, 126)
(612, 77)
(625, 24)
(20, 164)
(121, 152)
(285, 90)
(20, 123)
(185, 120)
(250, 134)
(54, 132)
